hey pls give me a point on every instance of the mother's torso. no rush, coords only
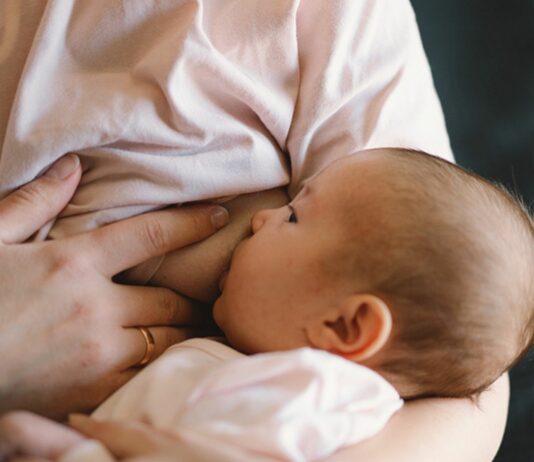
(173, 101)
(165, 102)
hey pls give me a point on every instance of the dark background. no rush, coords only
(482, 58)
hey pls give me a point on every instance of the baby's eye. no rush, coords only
(292, 215)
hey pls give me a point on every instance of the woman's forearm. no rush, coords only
(440, 430)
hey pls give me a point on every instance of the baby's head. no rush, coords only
(394, 259)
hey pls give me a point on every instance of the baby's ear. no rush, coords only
(357, 329)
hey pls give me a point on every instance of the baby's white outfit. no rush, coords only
(298, 405)
(181, 100)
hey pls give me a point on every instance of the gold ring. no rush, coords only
(150, 346)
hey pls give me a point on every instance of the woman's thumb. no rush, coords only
(24, 211)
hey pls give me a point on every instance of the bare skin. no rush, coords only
(194, 271)
(67, 332)
(441, 430)
(90, 318)
(437, 429)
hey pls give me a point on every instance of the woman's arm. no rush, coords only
(436, 430)
(440, 430)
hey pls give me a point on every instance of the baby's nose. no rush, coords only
(257, 221)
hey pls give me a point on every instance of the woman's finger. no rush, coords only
(135, 344)
(26, 434)
(127, 243)
(123, 439)
(27, 209)
(154, 306)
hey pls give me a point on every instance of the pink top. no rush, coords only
(181, 100)
(298, 405)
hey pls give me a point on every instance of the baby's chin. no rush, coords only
(223, 320)
(222, 280)
(217, 311)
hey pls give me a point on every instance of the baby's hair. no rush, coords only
(453, 255)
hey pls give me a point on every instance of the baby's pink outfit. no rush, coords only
(173, 101)
(298, 405)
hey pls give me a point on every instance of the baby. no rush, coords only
(394, 259)
(169, 107)
(404, 263)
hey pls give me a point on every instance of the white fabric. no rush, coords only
(298, 405)
(172, 101)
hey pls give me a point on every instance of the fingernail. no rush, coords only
(219, 216)
(63, 167)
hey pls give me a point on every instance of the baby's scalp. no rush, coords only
(453, 256)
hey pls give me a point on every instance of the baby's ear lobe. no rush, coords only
(356, 329)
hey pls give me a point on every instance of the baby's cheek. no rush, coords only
(218, 307)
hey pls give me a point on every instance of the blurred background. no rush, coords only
(482, 58)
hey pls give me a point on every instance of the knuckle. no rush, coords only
(88, 313)
(96, 347)
(93, 354)
(68, 265)
(32, 194)
(200, 224)
(83, 313)
(155, 236)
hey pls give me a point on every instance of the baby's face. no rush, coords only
(280, 275)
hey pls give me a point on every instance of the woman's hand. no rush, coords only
(35, 438)
(28, 435)
(136, 441)
(67, 332)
